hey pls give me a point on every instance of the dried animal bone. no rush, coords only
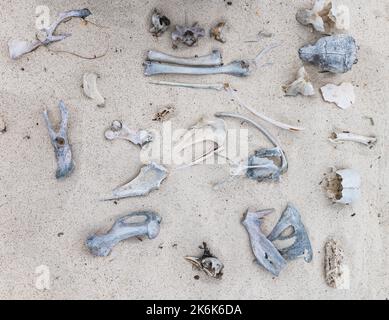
(214, 86)
(102, 244)
(164, 114)
(343, 186)
(3, 126)
(159, 22)
(90, 88)
(217, 32)
(324, 16)
(343, 95)
(60, 142)
(212, 59)
(336, 272)
(205, 130)
(265, 252)
(337, 137)
(302, 85)
(18, 48)
(265, 163)
(290, 237)
(335, 54)
(187, 35)
(208, 263)
(149, 178)
(118, 130)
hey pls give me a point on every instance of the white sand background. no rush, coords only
(35, 209)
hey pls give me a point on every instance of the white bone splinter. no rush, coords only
(90, 88)
(337, 137)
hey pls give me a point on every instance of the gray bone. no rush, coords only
(300, 245)
(60, 142)
(101, 245)
(212, 59)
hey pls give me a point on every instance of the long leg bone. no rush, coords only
(214, 86)
(118, 130)
(265, 252)
(101, 245)
(149, 178)
(293, 244)
(213, 59)
(348, 136)
(208, 263)
(240, 68)
(262, 164)
(18, 48)
(59, 140)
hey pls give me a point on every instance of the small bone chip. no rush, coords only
(90, 88)
(337, 274)
(343, 95)
(343, 186)
(302, 85)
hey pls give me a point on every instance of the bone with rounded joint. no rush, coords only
(102, 244)
(343, 136)
(212, 59)
(118, 130)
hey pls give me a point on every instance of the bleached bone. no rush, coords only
(149, 178)
(204, 131)
(91, 90)
(18, 48)
(337, 273)
(343, 95)
(208, 263)
(264, 251)
(159, 22)
(262, 165)
(118, 130)
(214, 86)
(212, 59)
(302, 85)
(240, 68)
(337, 137)
(343, 186)
(324, 16)
(102, 244)
(60, 142)
(294, 244)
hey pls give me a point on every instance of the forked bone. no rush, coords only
(290, 237)
(18, 48)
(212, 59)
(60, 142)
(264, 251)
(102, 244)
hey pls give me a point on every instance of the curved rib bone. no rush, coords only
(240, 68)
(149, 178)
(119, 130)
(101, 245)
(18, 48)
(265, 252)
(213, 59)
(59, 140)
(296, 243)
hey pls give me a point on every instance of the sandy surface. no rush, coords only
(45, 222)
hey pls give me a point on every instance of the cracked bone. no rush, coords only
(337, 273)
(325, 16)
(240, 68)
(208, 263)
(102, 244)
(302, 85)
(118, 130)
(90, 88)
(148, 179)
(18, 48)
(343, 186)
(293, 244)
(338, 137)
(159, 22)
(343, 95)
(212, 59)
(265, 252)
(60, 142)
